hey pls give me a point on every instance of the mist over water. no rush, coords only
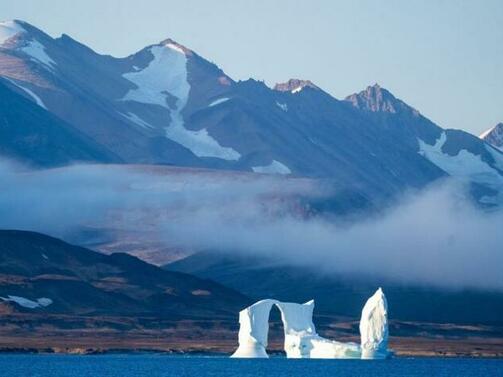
(434, 237)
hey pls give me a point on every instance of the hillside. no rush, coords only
(33, 136)
(78, 281)
(343, 295)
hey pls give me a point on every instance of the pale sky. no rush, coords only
(444, 57)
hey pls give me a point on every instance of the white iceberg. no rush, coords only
(301, 339)
(374, 327)
(253, 329)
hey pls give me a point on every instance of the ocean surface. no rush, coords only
(179, 366)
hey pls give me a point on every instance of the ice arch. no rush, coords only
(301, 339)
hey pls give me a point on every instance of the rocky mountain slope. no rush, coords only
(167, 105)
(494, 136)
(34, 136)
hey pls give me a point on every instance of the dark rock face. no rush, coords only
(375, 99)
(294, 85)
(494, 136)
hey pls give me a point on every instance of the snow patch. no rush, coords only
(9, 29)
(200, 143)
(282, 106)
(44, 301)
(275, 167)
(36, 50)
(36, 98)
(166, 75)
(297, 89)
(218, 101)
(464, 166)
(27, 303)
(137, 120)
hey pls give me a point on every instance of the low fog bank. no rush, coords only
(435, 237)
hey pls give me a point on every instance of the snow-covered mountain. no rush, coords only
(494, 136)
(457, 153)
(167, 105)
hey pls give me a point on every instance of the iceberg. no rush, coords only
(374, 327)
(253, 330)
(301, 339)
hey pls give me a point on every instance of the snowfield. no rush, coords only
(166, 75)
(464, 165)
(37, 53)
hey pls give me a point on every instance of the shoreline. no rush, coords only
(89, 351)
(202, 354)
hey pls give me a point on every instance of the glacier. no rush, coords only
(301, 339)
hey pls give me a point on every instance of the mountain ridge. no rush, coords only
(164, 104)
(494, 136)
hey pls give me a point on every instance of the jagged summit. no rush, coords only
(374, 99)
(494, 136)
(377, 99)
(168, 42)
(294, 85)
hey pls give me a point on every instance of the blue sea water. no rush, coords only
(171, 366)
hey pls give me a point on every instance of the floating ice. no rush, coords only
(253, 330)
(374, 327)
(301, 339)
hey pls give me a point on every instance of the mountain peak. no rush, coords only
(294, 85)
(377, 99)
(494, 136)
(172, 44)
(10, 29)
